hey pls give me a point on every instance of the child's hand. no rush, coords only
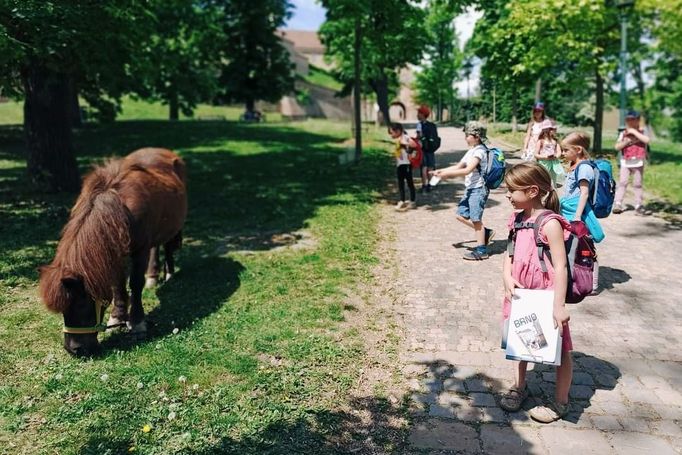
(436, 172)
(510, 284)
(561, 317)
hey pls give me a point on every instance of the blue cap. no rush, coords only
(539, 107)
(632, 114)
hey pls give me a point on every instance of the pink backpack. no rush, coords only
(580, 251)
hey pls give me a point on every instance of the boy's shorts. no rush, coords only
(429, 160)
(472, 204)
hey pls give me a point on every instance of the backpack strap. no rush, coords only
(542, 247)
(593, 187)
(518, 224)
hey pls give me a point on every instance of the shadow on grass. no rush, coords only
(201, 286)
(369, 426)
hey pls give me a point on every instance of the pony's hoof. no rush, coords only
(150, 283)
(116, 323)
(139, 329)
(168, 277)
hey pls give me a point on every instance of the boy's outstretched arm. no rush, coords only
(458, 170)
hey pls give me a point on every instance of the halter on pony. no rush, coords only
(99, 322)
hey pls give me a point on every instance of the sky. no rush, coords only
(309, 15)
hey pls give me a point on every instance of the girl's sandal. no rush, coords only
(552, 412)
(513, 399)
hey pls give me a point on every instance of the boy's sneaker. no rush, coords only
(617, 208)
(477, 254)
(428, 188)
(513, 399)
(412, 205)
(552, 412)
(639, 210)
(489, 234)
(401, 205)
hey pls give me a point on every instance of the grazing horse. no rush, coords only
(127, 208)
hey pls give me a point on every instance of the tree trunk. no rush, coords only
(380, 87)
(75, 106)
(598, 112)
(538, 90)
(48, 109)
(173, 105)
(515, 125)
(641, 91)
(356, 89)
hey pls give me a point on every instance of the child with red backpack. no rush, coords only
(405, 149)
(632, 145)
(530, 190)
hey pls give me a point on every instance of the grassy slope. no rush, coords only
(261, 359)
(663, 174)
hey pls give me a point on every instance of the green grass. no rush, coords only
(663, 173)
(262, 361)
(11, 112)
(321, 77)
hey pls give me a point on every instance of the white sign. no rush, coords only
(529, 333)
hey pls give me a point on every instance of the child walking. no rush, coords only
(548, 152)
(530, 190)
(403, 145)
(470, 209)
(632, 145)
(575, 205)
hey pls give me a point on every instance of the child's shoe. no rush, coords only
(400, 206)
(513, 399)
(477, 254)
(639, 210)
(489, 234)
(617, 208)
(552, 412)
(412, 205)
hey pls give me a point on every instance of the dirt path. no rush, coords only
(628, 372)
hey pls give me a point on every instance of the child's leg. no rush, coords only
(637, 184)
(465, 221)
(410, 184)
(622, 184)
(564, 376)
(521, 369)
(479, 232)
(401, 182)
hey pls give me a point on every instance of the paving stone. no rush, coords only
(606, 423)
(444, 435)
(563, 441)
(632, 424)
(667, 428)
(640, 444)
(454, 385)
(498, 440)
(482, 399)
(437, 410)
(476, 385)
(583, 379)
(581, 392)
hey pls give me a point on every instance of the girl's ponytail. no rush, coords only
(552, 201)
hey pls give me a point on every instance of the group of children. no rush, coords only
(532, 190)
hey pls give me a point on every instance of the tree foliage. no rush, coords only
(392, 33)
(434, 83)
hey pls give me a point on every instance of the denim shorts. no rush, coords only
(472, 204)
(429, 160)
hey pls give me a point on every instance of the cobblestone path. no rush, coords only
(627, 388)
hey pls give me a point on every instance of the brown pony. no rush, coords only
(126, 209)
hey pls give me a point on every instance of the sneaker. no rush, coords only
(412, 205)
(401, 205)
(477, 254)
(617, 208)
(639, 210)
(428, 188)
(513, 399)
(489, 234)
(549, 413)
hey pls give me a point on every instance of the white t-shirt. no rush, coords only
(401, 152)
(474, 179)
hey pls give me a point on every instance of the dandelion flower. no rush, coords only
(140, 385)
(176, 331)
(147, 428)
(104, 377)
(58, 376)
(195, 386)
(182, 379)
(171, 415)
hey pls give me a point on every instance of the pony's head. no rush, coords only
(64, 291)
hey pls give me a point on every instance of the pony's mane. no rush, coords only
(94, 242)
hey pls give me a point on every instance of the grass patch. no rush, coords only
(261, 361)
(319, 76)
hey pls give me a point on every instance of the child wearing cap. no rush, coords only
(547, 152)
(533, 131)
(427, 134)
(470, 209)
(632, 145)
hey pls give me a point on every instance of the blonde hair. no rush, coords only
(578, 139)
(524, 175)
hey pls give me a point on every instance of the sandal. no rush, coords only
(552, 412)
(513, 399)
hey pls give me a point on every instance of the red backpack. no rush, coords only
(416, 154)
